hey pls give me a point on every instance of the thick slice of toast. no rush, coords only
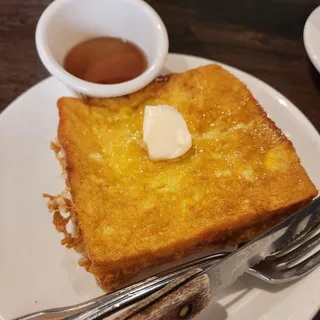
(241, 176)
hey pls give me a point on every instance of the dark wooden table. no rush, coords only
(262, 37)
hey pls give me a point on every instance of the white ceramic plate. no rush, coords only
(311, 37)
(36, 272)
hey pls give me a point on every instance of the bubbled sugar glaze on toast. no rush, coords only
(241, 176)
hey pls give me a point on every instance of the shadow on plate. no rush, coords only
(213, 311)
(165, 71)
(183, 66)
(241, 291)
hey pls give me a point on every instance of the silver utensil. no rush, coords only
(189, 293)
(277, 268)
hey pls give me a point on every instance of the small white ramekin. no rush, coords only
(65, 23)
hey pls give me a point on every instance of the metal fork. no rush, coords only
(288, 264)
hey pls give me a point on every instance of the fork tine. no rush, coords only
(283, 261)
(295, 242)
(302, 268)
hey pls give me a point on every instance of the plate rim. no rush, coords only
(11, 105)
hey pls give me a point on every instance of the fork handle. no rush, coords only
(181, 299)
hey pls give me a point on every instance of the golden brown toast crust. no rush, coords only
(240, 177)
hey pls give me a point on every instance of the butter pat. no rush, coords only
(165, 133)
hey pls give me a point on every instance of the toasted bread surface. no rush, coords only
(240, 176)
